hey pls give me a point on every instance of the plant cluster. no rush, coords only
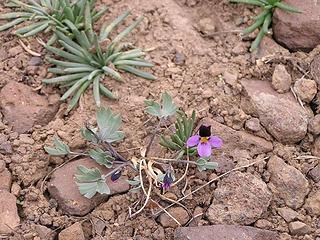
(151, 171)
(84, 57)
(48, 16)
(264, 19)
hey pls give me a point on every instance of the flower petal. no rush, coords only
(193, 141)
(215, 141)
(204, 149)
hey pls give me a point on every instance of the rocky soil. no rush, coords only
(265, 106)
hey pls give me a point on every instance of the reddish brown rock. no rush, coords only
(287, 182)
(221, 232)
(314, 173)
(315, 150)
(299, 228)
(237, 140)
(179, 213)
(9, 219)
(74, 232)
(5, 180)
(63, 188)
(22, 107)
(313, 204)
(306, 89)
(281, 79)
(298, 31)
(268, 47)
(315, 69)
(229, 206)
(280, 114)
(314, 125)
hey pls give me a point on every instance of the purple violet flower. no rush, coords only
(167, 181)
(204, 141)
(115, 176)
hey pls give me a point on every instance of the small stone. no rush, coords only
(253, 124)
(306, 89)
(15, 51)
(228, 206)
(315, 173)
(299, 228)
(315, 150)
(5, 180)
(207, 27)
(25, 139)
(44, 232)
(2, 165)
(216, 69)
(9, 219)
(315, 69)
(281, 79)
(224, 232)
(287, 213)
(314, 125)
(263, 224)
(312, 204)
(179, 58)
(15, 189)
(74, 232)
(269, 47)
(230, 78)
(35, 61)
(5, 147)
(280, 114)
(240, 48)
(23, 108)
(63, 188)
(179, 213)
(46, 219)
(287, 182)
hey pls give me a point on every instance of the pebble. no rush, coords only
(179, 58)
(287, 213)
(315, 173)
(314, 125)
(74, 232)
(306, 89)
(287, 182)
(299, 228)
(281, 79)
(312, 204)
(5, 179)
(9, 219)
(253, 124)
(179, 213)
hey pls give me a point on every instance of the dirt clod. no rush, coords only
(281, 79)
(179, 213)
(74, 232)
(306, 89)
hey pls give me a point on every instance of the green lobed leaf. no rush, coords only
(59, 149)
(101, 157)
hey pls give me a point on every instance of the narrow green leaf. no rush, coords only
(137, 72)
(64, 78)
(133, 63)
(74, 87)
(287, 7)
(96, 90)
(127, 30)
(11, 24)
(112, 73)
(105, 91)
(106, 29)
(14, 15)
(76, 97)
(36, 30)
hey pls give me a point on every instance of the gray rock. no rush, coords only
(9, 219)
(280, 114)
(298, 31)
(229, 207)
(224, 232)
(281, 79)
(63, 188)
(287, 182)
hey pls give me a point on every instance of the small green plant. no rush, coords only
(154, 172)
(89, 58)
(264, 19)
(48, 16)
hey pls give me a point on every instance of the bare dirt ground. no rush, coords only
(201, 66)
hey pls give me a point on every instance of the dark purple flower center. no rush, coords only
(115, 176)
(205, 131)
(167, 181)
